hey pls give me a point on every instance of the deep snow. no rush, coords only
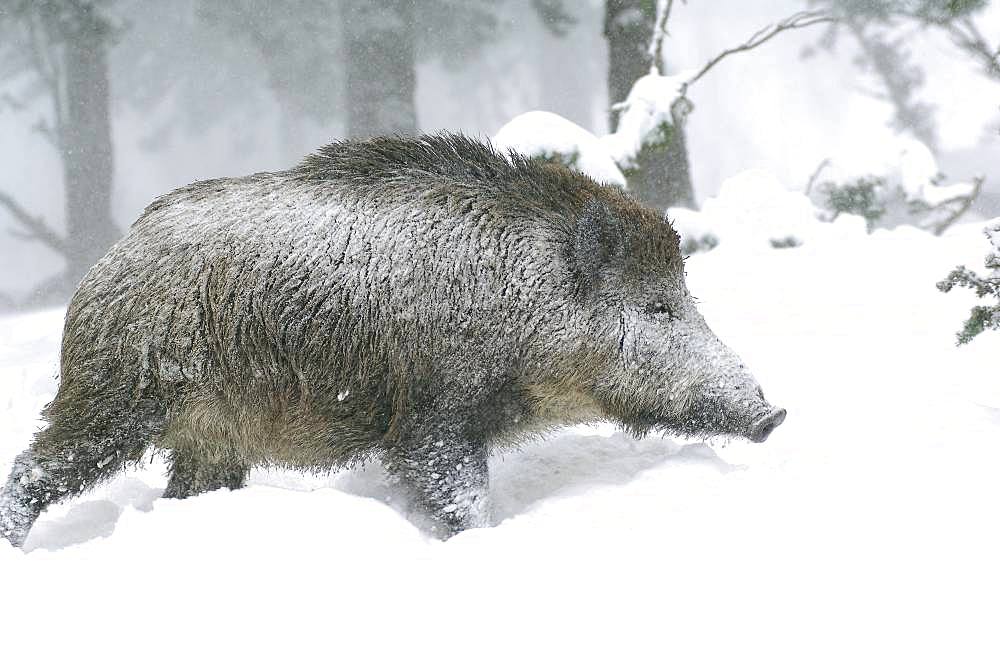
(864, 530)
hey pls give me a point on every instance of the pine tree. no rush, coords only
(871, 25)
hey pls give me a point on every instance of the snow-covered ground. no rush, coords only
(863, 531)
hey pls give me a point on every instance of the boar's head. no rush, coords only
(656, 364)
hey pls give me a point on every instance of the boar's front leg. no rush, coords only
(192, 473)
(448, 477)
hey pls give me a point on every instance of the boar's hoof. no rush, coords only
(761, 429)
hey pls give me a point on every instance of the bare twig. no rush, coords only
(35, 228)
(40, 39)
(765, 34)
(43, 127)
(663, 8)
(966, 202)
(815, 174)
(12, 102)
(40, 61)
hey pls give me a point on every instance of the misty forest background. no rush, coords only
(105, 104)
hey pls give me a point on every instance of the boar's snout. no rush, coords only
(761, 429)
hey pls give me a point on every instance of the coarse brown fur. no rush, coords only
(419, 301)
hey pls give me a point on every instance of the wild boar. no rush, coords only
(419, 301)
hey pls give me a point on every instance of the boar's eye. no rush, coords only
(659, 308)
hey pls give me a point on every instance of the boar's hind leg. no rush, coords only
(194, 470)
(79, 448)
(448, 478)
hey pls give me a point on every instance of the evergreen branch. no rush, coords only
(982, 317)
(962, 276)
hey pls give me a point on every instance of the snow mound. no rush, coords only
(860, 527)
(544, 134)
(647, 109)
(754, 210)
(901, 162)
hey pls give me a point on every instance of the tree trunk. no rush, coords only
(381, 67)
(628, 27)
(661, 174)
(85, 141)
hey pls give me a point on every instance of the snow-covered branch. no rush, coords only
(765, 34)
(815, 175)
(961, 203)
(899, 182)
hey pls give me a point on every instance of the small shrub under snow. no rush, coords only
(896, 182)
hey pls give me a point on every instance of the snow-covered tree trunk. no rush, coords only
(381, 67)
(660, 174)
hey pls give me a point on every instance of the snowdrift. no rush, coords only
(864, 530)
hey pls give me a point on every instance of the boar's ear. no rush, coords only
(594, 243)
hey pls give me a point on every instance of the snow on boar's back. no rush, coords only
(414, 300)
